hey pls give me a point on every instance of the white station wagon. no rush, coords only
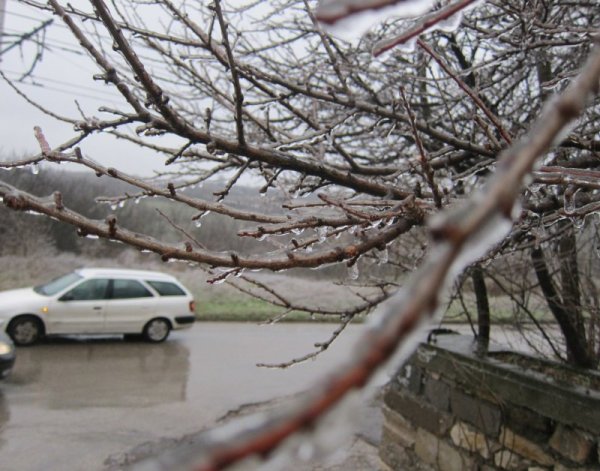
(98, 301)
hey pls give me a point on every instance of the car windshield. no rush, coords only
(57, 284)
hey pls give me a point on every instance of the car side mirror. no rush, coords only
(66, 297)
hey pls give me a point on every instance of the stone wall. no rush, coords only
(450, 410)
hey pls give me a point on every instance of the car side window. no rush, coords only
(166, 288)
(126, 289)
(89, 290)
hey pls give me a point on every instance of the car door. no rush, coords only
(129, 307)
(80, 310)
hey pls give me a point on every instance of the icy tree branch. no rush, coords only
(462, 235)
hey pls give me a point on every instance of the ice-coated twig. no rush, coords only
(239, 96)
(43, 143)
(550, 175)
(331, 11)
(423, 160)
(320, 347)
(425, 24)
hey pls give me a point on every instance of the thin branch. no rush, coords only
(20, 200)
(320, 346)
(480, 104)
(239, 96)
(525, 309)
(426, 168)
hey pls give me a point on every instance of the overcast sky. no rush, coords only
(63, 75)
(58, 79)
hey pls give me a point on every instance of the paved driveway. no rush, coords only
(73, 404)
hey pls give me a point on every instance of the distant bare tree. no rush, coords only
(383, 145)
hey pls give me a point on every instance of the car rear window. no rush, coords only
(166, 288)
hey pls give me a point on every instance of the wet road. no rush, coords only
(77, 404)
(72, 404)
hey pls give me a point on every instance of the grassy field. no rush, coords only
(502, 311)
(246, 309)
(221, 302)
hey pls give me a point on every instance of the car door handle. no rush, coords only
(97, 308)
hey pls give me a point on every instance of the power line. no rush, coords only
(20, 15)
(57, 44)
(49, 43)
(62, 82)
(70, 91)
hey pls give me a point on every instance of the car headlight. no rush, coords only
(5, 348)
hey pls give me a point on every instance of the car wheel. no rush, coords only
(157, 330)
(25, 330)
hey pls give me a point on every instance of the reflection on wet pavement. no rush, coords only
(4, 416)
(83, 401)
(107, 372)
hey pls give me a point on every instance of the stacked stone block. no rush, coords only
(451, 410)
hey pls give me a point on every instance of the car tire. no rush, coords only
(157, 330)
(25, 330)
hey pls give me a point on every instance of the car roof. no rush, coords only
(125, 273)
